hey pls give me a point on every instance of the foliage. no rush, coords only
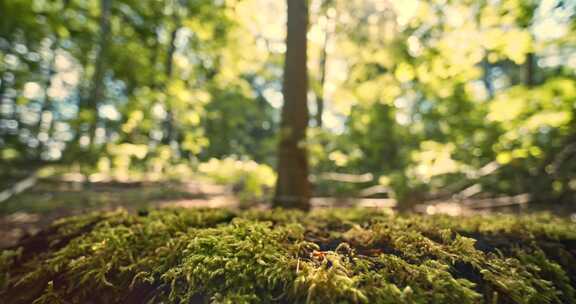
(345, 256)
(420, 93)
(251, 180)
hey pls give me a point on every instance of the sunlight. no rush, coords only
(274, 97)
(405, 10)
(109, 112)
(32, 90)
(293, 151)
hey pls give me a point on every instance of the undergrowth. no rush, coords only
(338, 256)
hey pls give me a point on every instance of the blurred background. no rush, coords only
(432, 106)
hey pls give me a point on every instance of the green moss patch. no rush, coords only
(338, 256)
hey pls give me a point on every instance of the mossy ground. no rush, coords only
(338, 256)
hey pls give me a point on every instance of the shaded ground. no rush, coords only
(50, 199)
(27, 213)
(32, 210)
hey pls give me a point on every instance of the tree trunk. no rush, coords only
(2, 90)
(486, 78)
(170, 123)
(172, 48)
(96, 93)
(320, 95)
(47, 102)
(293, 188)
(328, 31)
(530, 70)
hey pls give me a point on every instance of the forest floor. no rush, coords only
(50, 199)
(112, 242)
(26, 213)
(262, 256)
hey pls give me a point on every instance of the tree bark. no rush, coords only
(172, 47)
(96, 93)
(328, 31)
(530, 70)
(47, 102)
(170, 128)
(320, 95)
(2, 90)
(293, 187)
(486, 78)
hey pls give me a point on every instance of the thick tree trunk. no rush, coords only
(293, 188)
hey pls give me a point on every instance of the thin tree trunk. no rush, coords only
(293, 187)
(170, 128)
(155, 49)
(530, 70)
(172, 48)
(323, 67)
(88, 106)
(486, 79)
(47, 102)
(320, 95)
(96, 93)
(2, 90)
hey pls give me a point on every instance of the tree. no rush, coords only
(328, 32)
(96, 94)
(293, 188)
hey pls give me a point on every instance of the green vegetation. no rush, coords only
(252, 181)
(425, 96)
(428, 105)
(345, 256)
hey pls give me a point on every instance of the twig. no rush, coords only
(19, 187)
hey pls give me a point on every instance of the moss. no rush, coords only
(338, 256)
